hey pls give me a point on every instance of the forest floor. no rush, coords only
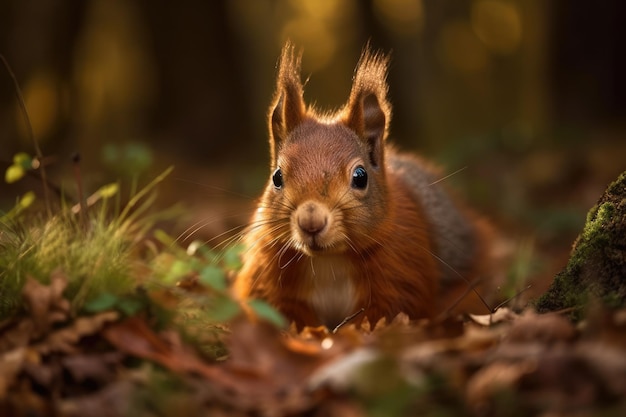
(108, 316)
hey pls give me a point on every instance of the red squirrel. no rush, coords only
(346, 222)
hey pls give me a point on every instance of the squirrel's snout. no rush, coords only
(312, 218)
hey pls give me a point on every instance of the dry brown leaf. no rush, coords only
(541, 328)
(46, 306)
(608, 362)
(273, 373)
(46, 303)
(266, 370)
(564, 381)
(45, 370)
(65, 339)
(606, 325)
(494, 379)
(366, 326)
(312, 333)
(114, 400)
(43, 374)
(17, 334)
(342, 373)
(262, 348)
(93, 367)
(133, 336)
(501, 315)
(402, 319)
(380, 324)
(11, 363)
(446, 352)
(339, 407)
(272, 369)
(24, 401)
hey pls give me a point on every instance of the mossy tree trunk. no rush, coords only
(597, 265)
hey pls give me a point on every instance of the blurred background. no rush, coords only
(526, 98)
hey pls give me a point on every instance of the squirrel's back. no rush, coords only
(461, 239)
(346, 223)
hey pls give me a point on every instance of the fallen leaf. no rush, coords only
(312, 333)
(24, 401)
(608, 362)
(45, 375)
(65, 339)
(501, 315)
(401, 319)
(46, 303)
(608, 326)
(495, 379)
(545, 328)
(564, 381)
(133, 336)
(340, 406)
(272, 369)
(343, 372)
(113, 400)
(94, 367)
(11, 364)
(16, 334)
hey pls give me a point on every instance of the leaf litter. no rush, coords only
(54, 363)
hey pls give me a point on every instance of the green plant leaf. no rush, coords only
(14, 173)
(23, 159)
(232, 258)
(104, 301)
(161, 236)
(142, 193)
(130, 306)
(267, 312)
(26, 200)
(178, 270)
(109, 190)
(224, 309)
(214, 277)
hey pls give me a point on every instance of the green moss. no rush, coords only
(597, 265)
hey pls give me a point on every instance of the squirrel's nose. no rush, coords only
(312, 218)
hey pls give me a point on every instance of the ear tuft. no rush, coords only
(288, 108)
(368, 112)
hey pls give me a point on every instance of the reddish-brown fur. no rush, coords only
(320, 246)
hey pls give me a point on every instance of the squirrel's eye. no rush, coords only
(359, 178)
(277, 178)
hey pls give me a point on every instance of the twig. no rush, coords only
(347, 319)
(31, 134)
(508, 300)
(79, 186)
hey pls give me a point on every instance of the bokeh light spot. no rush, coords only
(404, 17)
(460, 49)
(498, 25)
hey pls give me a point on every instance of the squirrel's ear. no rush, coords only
(368, 112)
(288, 108)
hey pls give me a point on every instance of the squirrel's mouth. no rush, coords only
(312, 246)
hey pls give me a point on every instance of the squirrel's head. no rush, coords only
(327, 190)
